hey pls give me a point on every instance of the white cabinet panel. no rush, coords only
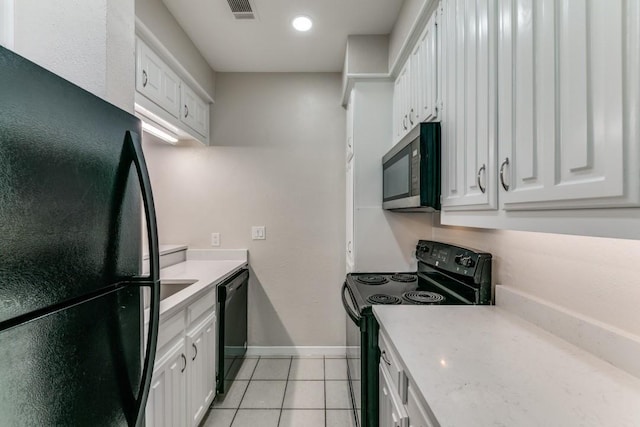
(194, 112)
(562, 104)
(156, 81)
(469, 42)
(201, 349)
(166, 405)
(349, 219)
(391, 411)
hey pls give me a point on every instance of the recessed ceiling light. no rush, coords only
(302, 23)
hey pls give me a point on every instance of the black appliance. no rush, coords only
(71, 316)
(411, 171)
(232, 329)
(447, 275)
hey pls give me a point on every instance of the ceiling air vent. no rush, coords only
(241, 9)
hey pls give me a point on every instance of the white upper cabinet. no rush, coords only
(425, 75)
(402, 103)
(563, 111)
(416, 97)
(156, 81)
(167, 101)
(469, 44)
(194, 112)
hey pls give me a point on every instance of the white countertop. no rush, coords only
(482, 366)
(205, 270)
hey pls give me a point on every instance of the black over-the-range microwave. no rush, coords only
(411, 171)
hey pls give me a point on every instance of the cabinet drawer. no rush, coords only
(170, 329)
(391, 362)
(205, 304)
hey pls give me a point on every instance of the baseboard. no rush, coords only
(611, 344)
(334, 351)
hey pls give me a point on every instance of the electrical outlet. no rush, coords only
(215, 239)
(258, 232)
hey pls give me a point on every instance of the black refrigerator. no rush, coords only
(73, 184)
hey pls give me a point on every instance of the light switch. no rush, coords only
(215, 239)
(258, 232)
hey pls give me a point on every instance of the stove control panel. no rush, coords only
(465, 261)
(454, 259)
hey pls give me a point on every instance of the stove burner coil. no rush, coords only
(372, 279)
(423, 297)
(384, 299)
(403, 277)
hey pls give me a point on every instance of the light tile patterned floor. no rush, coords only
(286, 392)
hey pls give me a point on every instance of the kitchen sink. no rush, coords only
(171, 287)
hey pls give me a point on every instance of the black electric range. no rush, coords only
(446, 275)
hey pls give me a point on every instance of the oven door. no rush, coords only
(354, 365)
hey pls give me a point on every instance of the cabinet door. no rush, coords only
(562, 103)
(350, 127)
(156, 81)
(349, 218)
(167, 401)
(418, 81)
(194, 113)
(425, 73)
(399, 121)
(201, 351)
(391, 411)
(469, 104)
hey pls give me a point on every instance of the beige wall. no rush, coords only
(595, 277)
(277, 159)
(403, 26)
(155, 15)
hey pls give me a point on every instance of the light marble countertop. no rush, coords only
(482, 366)
(206, 270)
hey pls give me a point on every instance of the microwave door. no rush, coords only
(397, 181)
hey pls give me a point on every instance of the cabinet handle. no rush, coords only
(184, 359)
(410, 117)
(144, 78)
(384, 357)
(482, 169)
(404, 122)
(196, 353)
(502, 166)
(349, 246)
(186, 110)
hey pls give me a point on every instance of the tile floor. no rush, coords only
(286, 392)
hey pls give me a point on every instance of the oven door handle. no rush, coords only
(346, 305)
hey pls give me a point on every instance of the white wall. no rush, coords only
(595, 277)
(277, 159)
(88, 43)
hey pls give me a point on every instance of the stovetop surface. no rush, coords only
(383, 288)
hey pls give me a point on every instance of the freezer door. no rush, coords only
(77, 367)
(70, 220)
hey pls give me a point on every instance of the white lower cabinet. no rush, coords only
(183, 382)
(167, 397)
(400, 404)
(202, 375)
(392, 412)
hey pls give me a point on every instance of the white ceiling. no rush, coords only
(270, 43)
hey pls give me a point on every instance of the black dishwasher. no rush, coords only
(232, 328)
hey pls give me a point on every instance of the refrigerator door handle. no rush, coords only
(132, 140)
